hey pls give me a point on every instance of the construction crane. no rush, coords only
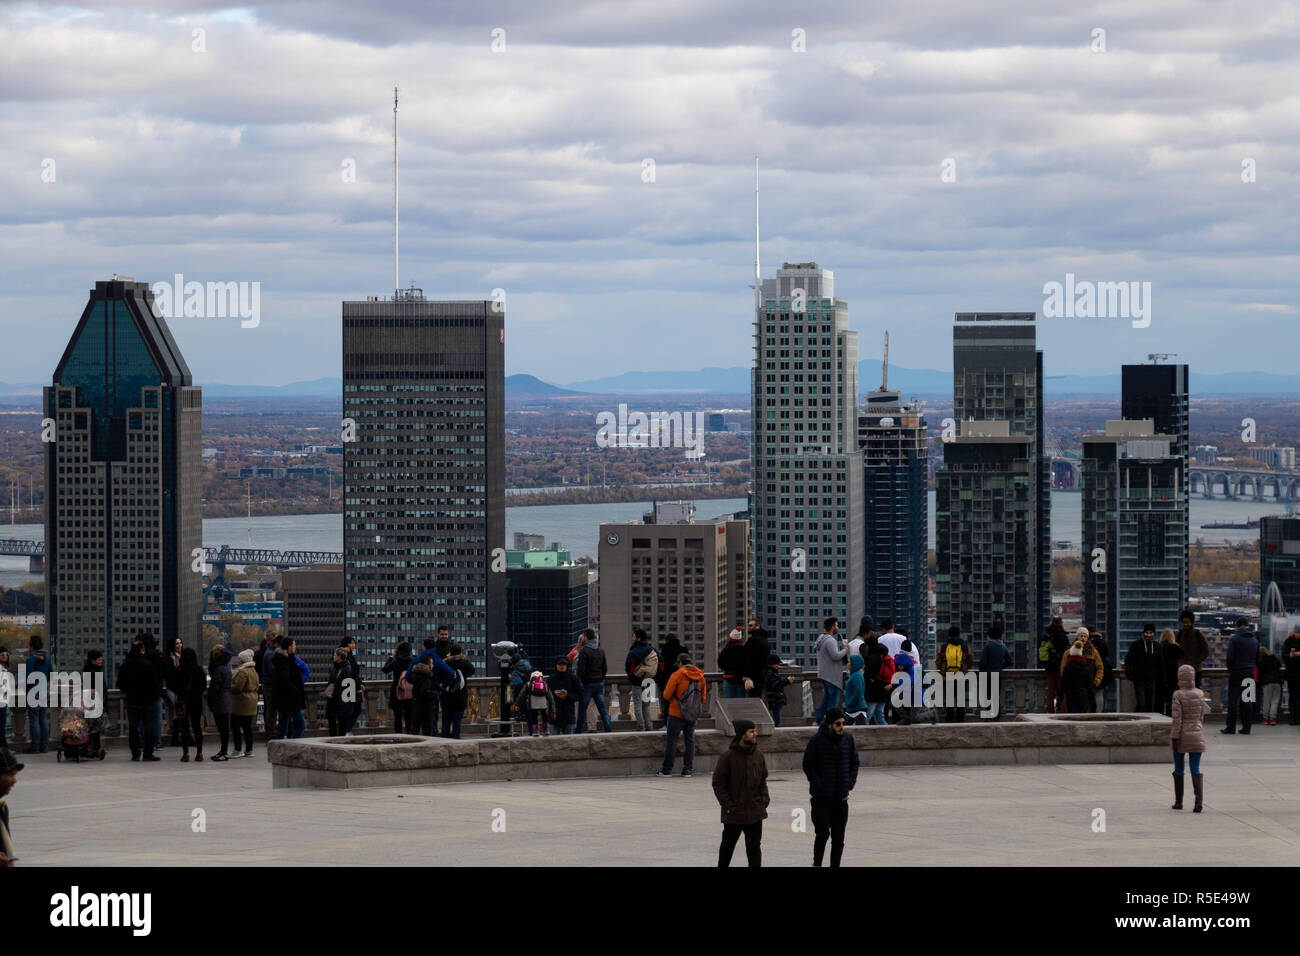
(1160, 356)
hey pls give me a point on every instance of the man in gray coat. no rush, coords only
(831, 654)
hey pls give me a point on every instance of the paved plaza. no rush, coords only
(123, 813)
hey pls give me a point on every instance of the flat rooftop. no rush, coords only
(123, 813)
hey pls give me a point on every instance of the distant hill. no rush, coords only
(530, 386)
(316, 388)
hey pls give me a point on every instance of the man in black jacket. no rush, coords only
(141, 684)
(830, 762)
(1142, 667)
(592, 668)
(757, 651)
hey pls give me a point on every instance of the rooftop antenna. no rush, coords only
(884, 366)
(397, 285)
(1156, 357)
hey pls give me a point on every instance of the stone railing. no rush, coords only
(1024, 691)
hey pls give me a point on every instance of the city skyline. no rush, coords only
(557, 207)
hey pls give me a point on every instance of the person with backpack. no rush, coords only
(774, 686)
(668, 655)
(567, 692)
(1187, 735)
(954, 658)
(399, 688)
(38, 695)
(740, 784)
(757, 651)
(455, 692)
(878, 675)
(641, 665)
(592, 668)
(1054, 645)
(219, 697)
(687, 696)
(830, 763)
(537, 704)
(1142, 667)
(243, 702)
(830, 653)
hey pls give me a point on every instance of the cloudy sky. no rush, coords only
(939, 157)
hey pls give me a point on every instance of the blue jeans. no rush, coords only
(38, 727)
(291, 725)
(451, 722)
(876, 713)
(831, 697)
(593, 691)
(140, 726)
(776, 715)
(674, 727)
(730, 690)
(1178, 763)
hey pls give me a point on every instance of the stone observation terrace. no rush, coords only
(116, 812)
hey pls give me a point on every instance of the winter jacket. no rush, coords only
(437, 667)
(591, 665)
(1103, 654)
(1142, 662)
(526, 700)
(995, 657)
(519, 673)
(830, 762)
(877, 674)
(635, 655)
(1195, 647)
(396, 666)
(1091, 656)
(572, 687)
(38, 662)
(266, 670)
(424, 687)
(1171, 658)
(1243, 652)
(219, 685)
(855, 687)
(1077, 682)
(668, 658)
(732, 662)
(243, 690)
(774, 686)
(757, 650)
(340, 673)
(1187, 709)
(138, 680)
(830, 659)
(1270, 669)
(1292, 664)
(188, 683)
(286, 682)
(1060, 645)
(457, 700)
(740, 784)
(677, 686)
(967, 658)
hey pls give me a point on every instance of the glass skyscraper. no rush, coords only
(806, 505)
(123, 479)
(424, 474)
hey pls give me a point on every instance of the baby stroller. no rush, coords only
(74, 737)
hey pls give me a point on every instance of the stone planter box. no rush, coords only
(400, 760)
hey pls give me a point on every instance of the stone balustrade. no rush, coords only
(1024, 692)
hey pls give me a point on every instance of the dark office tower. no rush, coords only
(1279, 558)
(424, 474)
(985, 542)
(895, 505)
(1159, 392)
(1134, 514)
(806, 506)
(123, 479)
(998, 375)
(546, 609)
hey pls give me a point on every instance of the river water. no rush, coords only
(577, 527)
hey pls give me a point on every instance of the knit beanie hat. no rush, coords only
(833, 715)
(246, 656)
(735, 635)
(738, 729)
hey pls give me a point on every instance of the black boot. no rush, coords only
(1178, 792)
(1198, 787)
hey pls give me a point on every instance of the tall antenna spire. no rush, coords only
(396, 282)
(758, 291)
(884, 366)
